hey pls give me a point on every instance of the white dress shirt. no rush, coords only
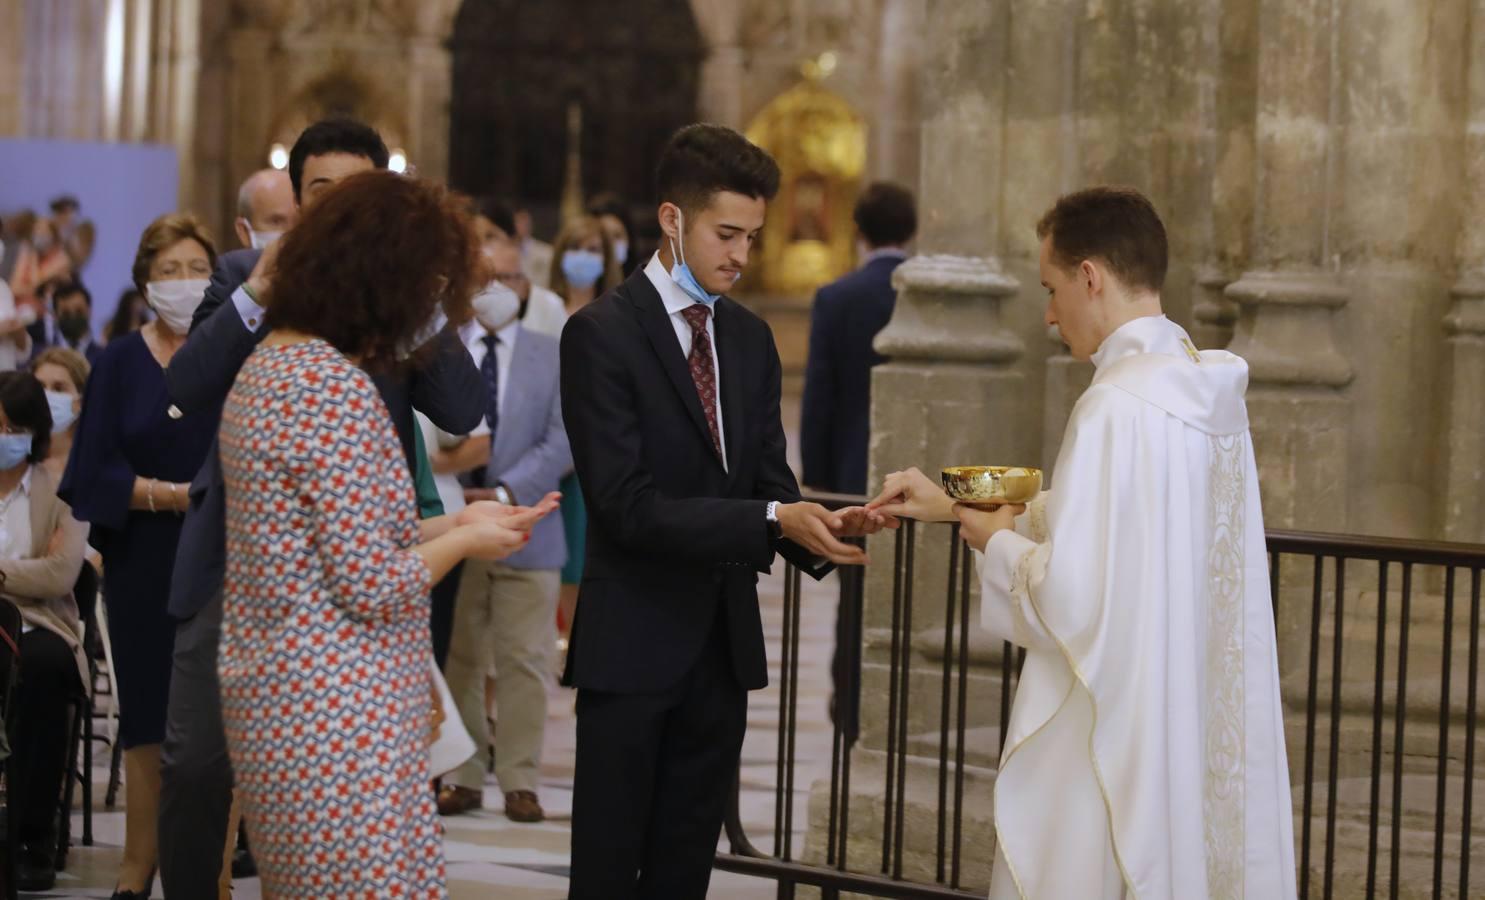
(675, 301)
(474, 335)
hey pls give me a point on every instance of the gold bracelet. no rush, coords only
(175, 493)
(149, 493)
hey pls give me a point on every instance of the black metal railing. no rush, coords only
(874, 861)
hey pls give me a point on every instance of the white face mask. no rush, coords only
(176, 301)
(63, 410)
(261, 239)
(496, 306)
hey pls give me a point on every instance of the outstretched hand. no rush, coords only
(910, 494)
(858, 521)
(816, 528)
(517, 518)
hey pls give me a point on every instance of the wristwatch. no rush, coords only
(503, 495)
(775, 528)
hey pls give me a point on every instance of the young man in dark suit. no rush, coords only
(835, 420)
(670, 393)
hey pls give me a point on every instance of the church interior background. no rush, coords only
(1320, 167)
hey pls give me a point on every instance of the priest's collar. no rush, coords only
(1147, 334)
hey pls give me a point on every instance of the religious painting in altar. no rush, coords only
(631, 72)
(820, 144)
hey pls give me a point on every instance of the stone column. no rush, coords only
(429, 94)
(252, 97)
(1462, 453)
(949, 394)
(1299, 414)
(723, 71)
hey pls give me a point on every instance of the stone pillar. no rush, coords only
(253, 99)
(1299, 415)
(1462, 443)
(1395, 218)
(949, 394)
(724, 70)
(429, 94)
(1463, 450)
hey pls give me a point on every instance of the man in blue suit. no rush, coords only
(848, 313)
(506, 611)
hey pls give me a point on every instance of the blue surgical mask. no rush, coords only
(681, 273)
(14, 448)
(63, 414)
(621, 251)
(582, 268)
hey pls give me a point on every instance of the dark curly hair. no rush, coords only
(369, 265)
(702, 160)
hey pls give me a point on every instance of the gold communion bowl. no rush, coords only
(990, 486)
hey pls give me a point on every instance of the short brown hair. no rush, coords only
(369, 264)
(164, 233)
(1114, 224)
(75, 364)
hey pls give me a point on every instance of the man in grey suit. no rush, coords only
(196, 775)
(506, 611)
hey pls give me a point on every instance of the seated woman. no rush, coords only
(325, 656)
(41, 553)
(63, 373)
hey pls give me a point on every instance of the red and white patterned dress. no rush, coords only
(325, 645)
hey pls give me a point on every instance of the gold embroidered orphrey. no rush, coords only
(1222, 800)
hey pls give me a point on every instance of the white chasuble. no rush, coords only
(1145, 754)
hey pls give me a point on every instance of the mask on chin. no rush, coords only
(681, 273)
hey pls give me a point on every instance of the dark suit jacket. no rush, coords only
(835, 420)
(44, 335)
(674, 540)
(446, 387)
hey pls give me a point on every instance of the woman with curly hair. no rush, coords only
(325, 652)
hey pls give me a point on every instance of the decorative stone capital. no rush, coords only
(1215, 313)
(1467, 314)
(949, 310)
(1286, 328)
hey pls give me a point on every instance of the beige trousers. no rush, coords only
(506, 617)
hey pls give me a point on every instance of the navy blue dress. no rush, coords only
(125, 432)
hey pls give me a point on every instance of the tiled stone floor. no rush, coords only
(489, 856)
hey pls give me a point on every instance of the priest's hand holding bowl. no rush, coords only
(978, 526)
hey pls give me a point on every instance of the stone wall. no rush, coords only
(1320, 180)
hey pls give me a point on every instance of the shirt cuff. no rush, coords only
(250, 311)
(428, 332)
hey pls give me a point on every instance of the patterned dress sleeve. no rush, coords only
(352, 495)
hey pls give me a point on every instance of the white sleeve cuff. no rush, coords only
(251, 313)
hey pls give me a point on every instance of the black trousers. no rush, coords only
(195, 773)
(654, 773)
(44, 707)
(441, 621)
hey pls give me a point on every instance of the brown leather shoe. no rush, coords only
(522, 806)
(454, 800)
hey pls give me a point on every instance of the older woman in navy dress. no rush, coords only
(132, 463)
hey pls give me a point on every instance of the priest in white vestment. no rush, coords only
(1145, 755)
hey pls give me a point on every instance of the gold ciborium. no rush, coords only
(987, 487)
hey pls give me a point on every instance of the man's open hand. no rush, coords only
(814, 528)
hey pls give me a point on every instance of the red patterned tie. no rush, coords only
(703, 371)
